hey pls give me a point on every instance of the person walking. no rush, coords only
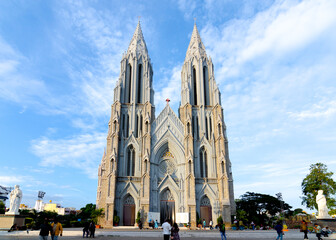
(166, 227)
(221, 227)
(279, 229)
(86, 229)
(45, 229)
(304, 229)
(156, 224)
(318, 231)
(92, 229)
(175, 232)
(210, 225)
(204, 223)
(252, 225)
(57, 229)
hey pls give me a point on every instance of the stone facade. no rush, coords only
(170, 164)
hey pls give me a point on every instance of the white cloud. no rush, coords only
(321, 110)
(11, 180)
(187, 7)
(286, 27)
(79, 152)
(15, 85)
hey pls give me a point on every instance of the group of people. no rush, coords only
(152, 224)
(89, 228)
(172, 232)
(55, 229)
(169, 231)
(210, 224)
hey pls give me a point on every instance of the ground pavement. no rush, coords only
(119, 233)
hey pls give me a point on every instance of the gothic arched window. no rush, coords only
(203, 163)
(129, 83)
(206, 128)
(139, 83)
(112, 165)
(127, 125)
(210, 125)
(194, 86)
(205, 84)
(147, 126)
(137, 127)
(130, 161)
(115, 126)
(109, 186)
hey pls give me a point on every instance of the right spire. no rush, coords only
(196, 47)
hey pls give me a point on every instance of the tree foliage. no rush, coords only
(89, 212)
(2, 207)
(260, 208)
(318, 179)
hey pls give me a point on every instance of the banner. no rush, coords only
(153, 216)
(182, 217)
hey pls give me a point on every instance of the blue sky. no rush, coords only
(59, 62)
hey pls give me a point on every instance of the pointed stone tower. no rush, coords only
(174, 167)
(209, 175)
(124, 173)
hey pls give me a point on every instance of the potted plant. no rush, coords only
(116, 220)
(137, 220)
(234, 226)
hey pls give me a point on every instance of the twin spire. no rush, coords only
(196, 46)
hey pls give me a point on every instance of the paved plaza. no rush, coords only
(135, 234)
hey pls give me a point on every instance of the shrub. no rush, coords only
(219, 219)
(116, 219)
(138, 218)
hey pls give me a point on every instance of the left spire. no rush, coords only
(138, 44)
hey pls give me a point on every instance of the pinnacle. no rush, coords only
(196, 44)
(137, 40)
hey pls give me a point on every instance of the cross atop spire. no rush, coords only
(196, 46)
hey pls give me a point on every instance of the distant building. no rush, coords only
(39, 205)
(23, 206)
(171, 165)
(53, 207)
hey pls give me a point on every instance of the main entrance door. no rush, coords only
(129, 211)
(206, 210)
(167, 206)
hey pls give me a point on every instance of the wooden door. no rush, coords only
(206, 214)
(129, 215)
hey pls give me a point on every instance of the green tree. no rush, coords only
(318, 179)
(2, 207)
(86, 211)
(97, 213)
(258, 207)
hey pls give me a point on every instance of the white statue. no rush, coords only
(322, 205)
(15, 200)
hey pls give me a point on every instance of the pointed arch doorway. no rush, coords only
(167, 206)
(206, 210)
(129, 211)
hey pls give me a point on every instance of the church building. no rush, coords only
(171, 165)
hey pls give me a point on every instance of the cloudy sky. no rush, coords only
(275, 63)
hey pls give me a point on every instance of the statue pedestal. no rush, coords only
(8, 220)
